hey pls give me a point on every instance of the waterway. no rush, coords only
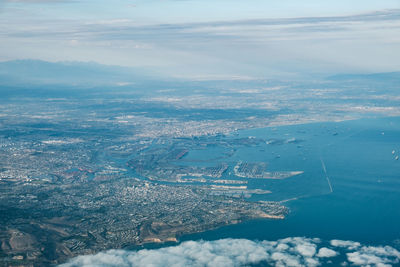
(350, 188)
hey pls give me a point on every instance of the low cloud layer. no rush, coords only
(295, 251)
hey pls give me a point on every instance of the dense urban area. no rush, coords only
(85, 170)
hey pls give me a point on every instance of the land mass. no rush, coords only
(93, 158)
(43, 223)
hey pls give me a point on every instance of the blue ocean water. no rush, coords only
(360, 162)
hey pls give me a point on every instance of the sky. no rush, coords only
(201, 38)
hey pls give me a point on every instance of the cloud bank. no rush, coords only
(246, 46)
(294, 251)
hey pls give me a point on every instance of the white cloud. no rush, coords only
(374, 256)
(307, 250)
(345, 244)
(310, 262)
(295, 251)
(283, 259)
(326, 253)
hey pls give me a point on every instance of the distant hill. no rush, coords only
(384, 77)
(22, 72)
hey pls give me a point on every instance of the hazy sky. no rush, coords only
(207, 37)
